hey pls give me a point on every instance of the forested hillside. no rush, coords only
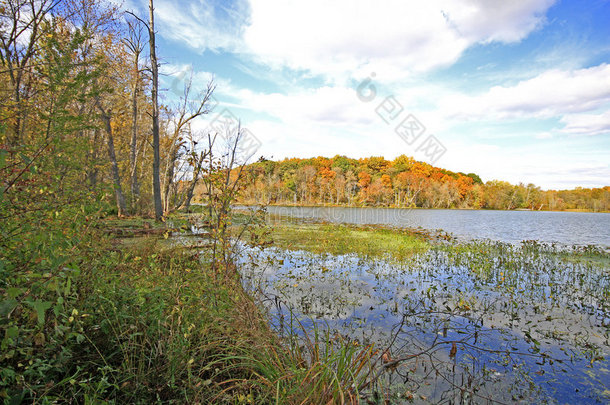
(402, 182)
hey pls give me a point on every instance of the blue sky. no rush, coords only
(511, 90)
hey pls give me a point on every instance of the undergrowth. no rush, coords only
(140, 324)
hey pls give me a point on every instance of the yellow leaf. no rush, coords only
(453, 351)
(39, 339)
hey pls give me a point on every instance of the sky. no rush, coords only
(511, 90)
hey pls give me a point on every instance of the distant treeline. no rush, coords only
(402, 182)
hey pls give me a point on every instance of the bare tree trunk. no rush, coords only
(116, 176)
(168, 178)
(92, 157)
(135, 187)
(135, 46)
(189, 196)
(187, 112)
(155, 114)
(191, 189)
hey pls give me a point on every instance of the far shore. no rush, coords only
(408, 208)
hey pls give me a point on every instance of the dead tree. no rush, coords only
(196, 160)
(154, 65)
(186, 112)
(135, 47)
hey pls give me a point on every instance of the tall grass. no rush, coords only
(156, 326)
(314, 368)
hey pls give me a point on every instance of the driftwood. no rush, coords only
(133, 232)
(197, 235)
(136, 231)
(197, 246)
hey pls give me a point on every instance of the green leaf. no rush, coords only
(26, 160)
(14, 292)
(16, 399)
(68, 286)
(40, 307)
(12, 332)
(7, 306)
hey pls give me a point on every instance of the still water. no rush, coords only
(580, 228)
(493, 321)
(526, 326)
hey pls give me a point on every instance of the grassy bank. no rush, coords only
(133, 325)
(141, 322)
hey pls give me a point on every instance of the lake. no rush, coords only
(486, 318)
(569, 228)
(526, 323)
(527, 327)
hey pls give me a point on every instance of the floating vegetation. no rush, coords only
(480, 321)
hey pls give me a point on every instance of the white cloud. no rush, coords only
(300, 127)
(402, 41)
(550, 94)
(392, 38)
(497, 20)
(203, 24)
(335, 106)
(565, 165)
(590, 124)
(349, 37)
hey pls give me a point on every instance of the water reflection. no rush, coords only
(491, 321)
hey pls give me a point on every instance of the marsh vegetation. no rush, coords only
(480, 321)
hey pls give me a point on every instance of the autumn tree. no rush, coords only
(23, 23)
(403, 182)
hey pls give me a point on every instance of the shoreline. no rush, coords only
(573, 210)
